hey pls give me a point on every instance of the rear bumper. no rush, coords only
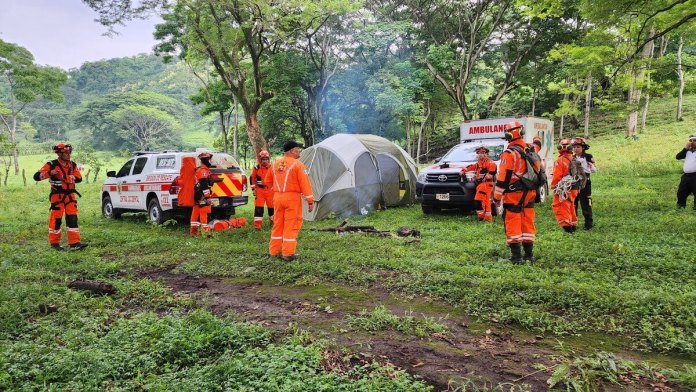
(225, 202)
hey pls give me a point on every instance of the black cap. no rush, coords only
(290, 144)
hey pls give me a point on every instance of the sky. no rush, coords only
(63, 33)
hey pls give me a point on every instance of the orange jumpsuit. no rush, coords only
(485, 172)
(564, 209)
(263, 194)
(62, 198)
(518, 203)
(201, 206)
(289, 181)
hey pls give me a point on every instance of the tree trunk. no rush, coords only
(646, 102)
(680, 74)
(223, 129)
(258, 142)
(534, 97)
(634, 90)
(420, 132)
(588, 104)
(235, 136)
(409, 147)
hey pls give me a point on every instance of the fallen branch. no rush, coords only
(92, 286)
(357, 229)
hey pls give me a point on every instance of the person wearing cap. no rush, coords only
(518, 202)
(289, 180)
(564, 194)
(263, 194)
(536, 143)
(687, 185)
(484, 173)
(584, 198)
(201, 196)
(62, 174)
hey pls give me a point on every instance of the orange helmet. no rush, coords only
(205, 155)
(565, 145)
(515, 130)
(263, 154)
(62, 148)
(482, 148)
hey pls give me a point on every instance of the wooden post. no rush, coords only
(87, 176)
(24, 177)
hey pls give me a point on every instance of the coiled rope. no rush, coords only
(564, 186)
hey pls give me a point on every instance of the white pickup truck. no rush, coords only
(441, 186)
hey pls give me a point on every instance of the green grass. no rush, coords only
(381, 319)
(633, 277)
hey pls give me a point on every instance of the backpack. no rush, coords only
(535, 176)
(577, 173)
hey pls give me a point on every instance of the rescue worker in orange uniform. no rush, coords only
(484, 173)
(536, 143)
(63, 174)
(290, 182)
(518, 202)
(201, 196)
(263, 194)
(563, 194)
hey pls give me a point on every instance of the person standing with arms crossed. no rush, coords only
(484, 173)
(518, 202)
(290, 182)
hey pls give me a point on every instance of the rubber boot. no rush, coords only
(193, 231)
(528, 252)
(569, 229)
(516, 254)
(77, 246)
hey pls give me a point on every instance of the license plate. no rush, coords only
(442, 196)
(214, 202)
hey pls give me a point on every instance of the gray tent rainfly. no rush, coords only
(354, 174)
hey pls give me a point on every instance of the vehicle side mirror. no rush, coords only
(111, 173)
(436, 160)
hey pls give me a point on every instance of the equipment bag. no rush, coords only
(577, 173)
(187, 181)
(535, 176)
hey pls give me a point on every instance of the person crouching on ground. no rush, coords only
(484, 173)
(290, 182)
(687, 185)
(63, 174)
(564, 199)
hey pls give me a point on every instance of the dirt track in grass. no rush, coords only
(486, 355)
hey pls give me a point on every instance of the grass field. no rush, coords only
(627, 285)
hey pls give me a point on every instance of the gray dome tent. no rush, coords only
(356, 173)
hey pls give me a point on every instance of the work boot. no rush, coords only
(57, 247)
(516, 254)
(588, 226)
(289, 258)
(77, 246)
(528, 252)
(569, 229)
(193, 232)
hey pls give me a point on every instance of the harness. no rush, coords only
(58, 187)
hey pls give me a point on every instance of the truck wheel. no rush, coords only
(155, 213)
(108, 209)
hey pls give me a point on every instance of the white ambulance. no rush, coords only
(149, 182)
(441, 186)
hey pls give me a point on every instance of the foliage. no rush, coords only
(146, 128)
(381, 319)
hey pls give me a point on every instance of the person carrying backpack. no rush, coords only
(565, 190)
(584, 198)
(63, 174)
(484, 169)
(202, 194)
(517, 199)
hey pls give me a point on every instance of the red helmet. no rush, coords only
(565, 145)
(515, 130)
(61, 148)
(263, 154)
(205, 155)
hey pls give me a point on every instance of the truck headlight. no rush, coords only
(421, 177)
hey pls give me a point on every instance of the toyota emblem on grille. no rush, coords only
(442, 178)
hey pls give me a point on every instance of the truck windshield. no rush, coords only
(467, 153)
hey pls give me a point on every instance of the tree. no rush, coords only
(216, 99)
(146, 128)
(26, 83)
(96, 116)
